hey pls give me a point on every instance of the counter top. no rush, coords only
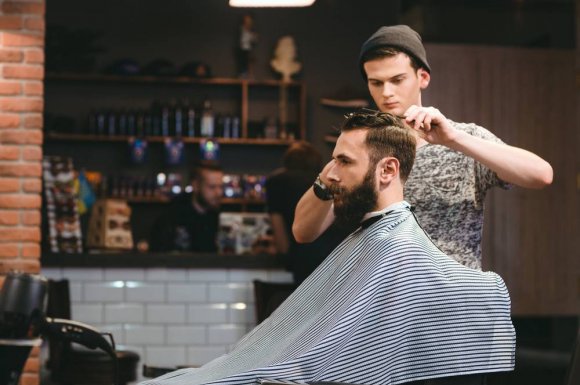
(169, 259)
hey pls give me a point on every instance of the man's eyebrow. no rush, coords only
(342, 157)
(371, 79)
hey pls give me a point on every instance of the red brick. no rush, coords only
(34, 23)
(23, 7)
(10, 22)
(30, 251)
(31, 185)
(9, 250)
(33, 88)
(33, 121)
(9, 152)
(9, 184)
(32, 153)
(20, 234)
(30, 217)
(22, 40)
(20, 201)
(10, 88)
(23, 71)
(21, 169)
(9, 120)
(24, 265)
(11, 55)
(22, 105)
(9, 217)
(21, 136)
(34, 56)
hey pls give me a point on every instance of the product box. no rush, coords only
(243, 233)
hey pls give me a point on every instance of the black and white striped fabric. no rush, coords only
(386, 307)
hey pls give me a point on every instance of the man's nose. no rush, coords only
(332, 175)
(387, 90)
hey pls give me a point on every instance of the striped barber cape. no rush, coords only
(385, 307)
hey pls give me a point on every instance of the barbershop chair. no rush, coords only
(268, 296)
(72, 364)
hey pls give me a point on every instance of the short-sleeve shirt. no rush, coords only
(447, 190)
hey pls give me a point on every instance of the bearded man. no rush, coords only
(386, 307)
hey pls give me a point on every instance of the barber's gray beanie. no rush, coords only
(397, 36)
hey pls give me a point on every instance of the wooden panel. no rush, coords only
(527, 98)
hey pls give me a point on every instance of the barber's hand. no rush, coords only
(324, 173)
(430, 124)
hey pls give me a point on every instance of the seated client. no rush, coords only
(386, 306)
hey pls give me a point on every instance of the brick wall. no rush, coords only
(22, 26)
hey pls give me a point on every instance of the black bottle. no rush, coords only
(155, 118)
(178, 120)
(190, 120)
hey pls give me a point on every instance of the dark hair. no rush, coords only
(387, 136)
(302, 156)
(210, 165)
(385, 51)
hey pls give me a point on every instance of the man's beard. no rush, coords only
(351, 205)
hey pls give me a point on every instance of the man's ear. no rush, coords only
(424, 78)
(388, 169)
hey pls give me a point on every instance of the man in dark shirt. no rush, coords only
(284, 188)
(192, 219)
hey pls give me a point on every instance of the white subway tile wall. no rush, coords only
(170, 317)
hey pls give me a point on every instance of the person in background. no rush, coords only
(192, 220)
(456, 164)
(284, 187)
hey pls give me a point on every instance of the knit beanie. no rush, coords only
(397, 36)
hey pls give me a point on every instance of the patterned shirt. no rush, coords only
(448, 191)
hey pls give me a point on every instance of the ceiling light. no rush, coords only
(271, 3)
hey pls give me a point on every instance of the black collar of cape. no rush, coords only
(375, 218)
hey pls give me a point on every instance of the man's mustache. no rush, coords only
(336, 190)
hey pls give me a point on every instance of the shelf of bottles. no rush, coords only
(191, 123)
(239, 190)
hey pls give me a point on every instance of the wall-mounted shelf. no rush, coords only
(55, 136)
(288, 96)
(165, 200)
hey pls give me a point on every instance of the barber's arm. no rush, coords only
(313, 215)
(512, 164)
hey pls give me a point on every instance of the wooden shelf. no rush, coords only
(244, 101)
(165, 200)
(76, 77)
(243, 201)
(156, 199)
(54, 136)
